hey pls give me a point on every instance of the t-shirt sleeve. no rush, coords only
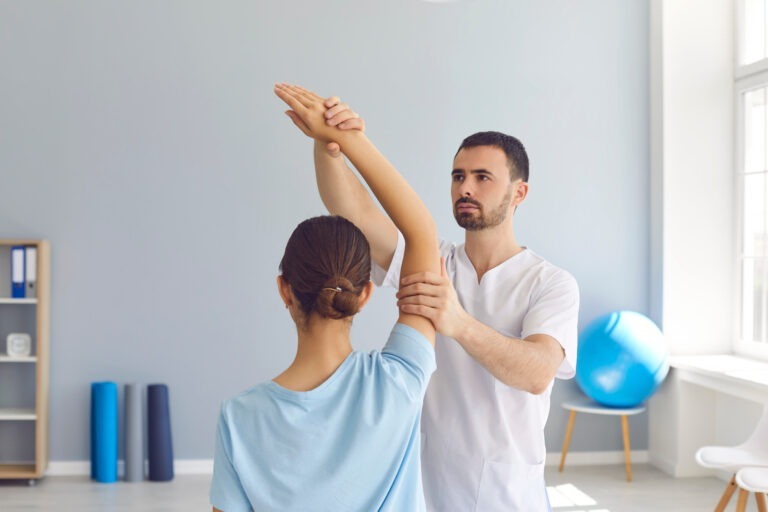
(409, 359)
(390, 278)
(555, 312)
(227, 492)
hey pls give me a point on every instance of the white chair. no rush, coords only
(752, 452)
(752, 480)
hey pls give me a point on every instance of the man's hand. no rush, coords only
(433, 297)
(341, 116)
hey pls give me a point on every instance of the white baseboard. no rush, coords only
(205, 466)
(83, 467)
(596, 458)
(663, 464)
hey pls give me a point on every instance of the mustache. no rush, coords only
(467, 200)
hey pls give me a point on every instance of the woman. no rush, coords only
(338, 430)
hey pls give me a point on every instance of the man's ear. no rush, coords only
(365, 295)
(519, 192)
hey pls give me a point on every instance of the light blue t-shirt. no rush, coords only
(351, 444)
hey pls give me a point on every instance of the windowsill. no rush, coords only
(727, 373)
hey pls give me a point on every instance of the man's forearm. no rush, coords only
(341, 191)
(529, 365)
(343, 194)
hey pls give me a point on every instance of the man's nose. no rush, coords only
(465, 190)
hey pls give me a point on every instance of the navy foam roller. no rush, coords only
(159, 443)
(104, 431)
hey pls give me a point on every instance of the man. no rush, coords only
(506, 318)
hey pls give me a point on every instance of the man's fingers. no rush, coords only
(298, 122)
(341, 107)
(422, 277)
(415, 289)
(332, 101)
(420, 300)
(339, 118)
(352, 124)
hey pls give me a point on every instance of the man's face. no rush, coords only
(481, 190)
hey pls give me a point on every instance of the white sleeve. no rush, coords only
(391, 277)
(555, 312)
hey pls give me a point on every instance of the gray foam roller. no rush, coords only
(134, 424)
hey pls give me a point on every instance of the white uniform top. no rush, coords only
(483, 441)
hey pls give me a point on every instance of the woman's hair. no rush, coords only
(327, 262)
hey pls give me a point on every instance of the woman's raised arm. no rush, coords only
(396, 196)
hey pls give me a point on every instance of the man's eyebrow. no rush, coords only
(473, 171)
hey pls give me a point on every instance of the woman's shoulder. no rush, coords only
(247, 399)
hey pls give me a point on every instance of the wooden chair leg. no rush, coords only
(726, 497)
(567, 440)
(760, 498)
(741, 505)
(625, 434)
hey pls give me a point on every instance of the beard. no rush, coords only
(478, 220)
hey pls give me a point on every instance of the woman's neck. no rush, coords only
(323, 345)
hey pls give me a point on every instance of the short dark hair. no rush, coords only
(327, 262)
(517, 158)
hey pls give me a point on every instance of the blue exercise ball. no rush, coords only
(622, 359)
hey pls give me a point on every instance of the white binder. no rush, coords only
(30, 266)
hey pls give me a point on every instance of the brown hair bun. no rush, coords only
(337, 299)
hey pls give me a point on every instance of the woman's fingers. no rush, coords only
(290, 98)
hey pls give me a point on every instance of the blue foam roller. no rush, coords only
(159, 445)
(104, 431)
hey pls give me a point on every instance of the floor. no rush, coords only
(605, 488)
(578, 488)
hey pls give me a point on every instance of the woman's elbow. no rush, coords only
(424, 233)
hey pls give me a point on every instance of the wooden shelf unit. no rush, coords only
(19, 471)
(36, 415)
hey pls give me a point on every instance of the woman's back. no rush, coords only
(349, 444)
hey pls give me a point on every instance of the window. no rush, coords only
(751, 87)
(754, 40)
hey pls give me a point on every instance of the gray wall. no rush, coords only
(143, 140)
